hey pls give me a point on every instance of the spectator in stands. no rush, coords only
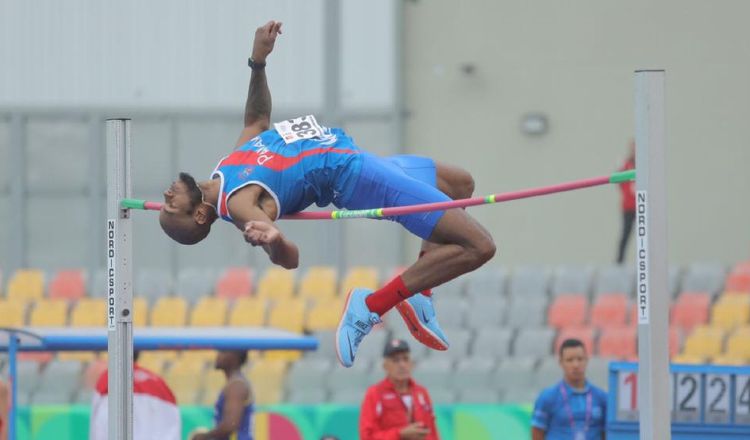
(155, 412)
(4, 407)
(234, 409)
(627, 192)
(572, 409)
(397, 408)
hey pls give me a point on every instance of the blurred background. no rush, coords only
(522, 94)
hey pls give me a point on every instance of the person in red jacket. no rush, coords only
(627, 191)
(397, 408)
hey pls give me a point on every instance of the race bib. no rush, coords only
(304, 127)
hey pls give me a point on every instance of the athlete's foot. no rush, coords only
(356, 322)
(419, 317)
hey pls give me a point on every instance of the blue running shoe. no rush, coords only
(419, 316)
(356, 322)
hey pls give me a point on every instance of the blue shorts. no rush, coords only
(399, 181)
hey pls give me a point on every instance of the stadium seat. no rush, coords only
(359, 376)
(319, 283)
(527, 312)
(492, 341)
(618, 343)
(169, 311)
(92, 372)
(288, 315)
(548, 372)
(738, 283)
(725, 359)
(435, 373)
(26, 285)
(572, 279)
(209, 311)
(12, 313)
(152, 284)
(89, 312)
(690, 309)
(194, 283)
(704, 342)
(276, 283)
(308, 373)
(454, 288)
(568, 310)
(515, 371)
(493, 312)
(140, 312)
(473, 372)
(584, 334)
(156, 361)
(597, 371)
(234, 283)
(326, 342)
(78, 356)
(731, 311)
(704, 277)
(614, 279)
(67, 284)
(371, 347)
(202, 357)
(359, 276)
(487, 282)
(529, 281)
(610, 310)
(49, 313)
(184, 378)
(248, 312)
(59, 382)
(688, 359)
(213, 384)
(738, 344)
(451, 310)
(324, 315)
(267, 378)
(534, 342)
(459, 339)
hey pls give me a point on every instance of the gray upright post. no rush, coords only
(119, 282)
(651, 229)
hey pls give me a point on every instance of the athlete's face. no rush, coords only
(180, 216)
(398, 366)
(573, 361)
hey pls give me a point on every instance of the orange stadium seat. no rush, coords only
(610, 310)
(49, 313)
(619, 343)
(248, 312)
(80, 356)
(235, 282)
(731, 311)
(89, 312)
(584, 334)
(276, 283)
(738, 282)
(704, 342)
(12, 313)
(169, 311)
(568, 311)
(209, 311)
(324, 315)
(319, 283)
(140, 311)
(67, 284)
(691, 309)
(359, 276)
(26, 285)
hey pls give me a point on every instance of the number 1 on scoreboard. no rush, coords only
(627, 396)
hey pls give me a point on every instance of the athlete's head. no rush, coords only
(184, 216)
(230, 359)
(573, 359)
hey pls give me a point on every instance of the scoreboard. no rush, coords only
(708, 402)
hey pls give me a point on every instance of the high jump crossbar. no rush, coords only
(619, 177)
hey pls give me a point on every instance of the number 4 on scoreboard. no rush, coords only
(742, 400)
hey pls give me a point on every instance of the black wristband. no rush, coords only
(255, 65)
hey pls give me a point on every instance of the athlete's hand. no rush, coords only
(415, 431)
(261, 233)
(265, 37)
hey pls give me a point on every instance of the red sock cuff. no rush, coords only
(388, 296)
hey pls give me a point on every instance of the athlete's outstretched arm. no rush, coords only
(259, 230)
(258, 105)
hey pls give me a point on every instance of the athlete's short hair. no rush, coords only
(571, 343)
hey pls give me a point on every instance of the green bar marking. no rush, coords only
(622, 176)
(133, 204)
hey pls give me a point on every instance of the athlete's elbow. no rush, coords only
(286, 263)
